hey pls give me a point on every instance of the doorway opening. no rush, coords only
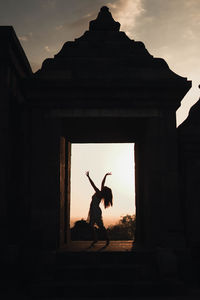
(99, 159)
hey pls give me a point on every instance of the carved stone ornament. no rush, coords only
(104, 21)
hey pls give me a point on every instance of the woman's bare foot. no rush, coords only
(93, 243)
(107, 243)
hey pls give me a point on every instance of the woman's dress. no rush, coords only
(95, 213)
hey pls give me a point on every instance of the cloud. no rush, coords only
(82, 21)
(123, 11)
(189, 34)
(35, 66)
(126, 12)
(23, 38)
(47, 49)
(59, 27)
(49, 4)
(26, 37)
(170, 29)
(51, 49)
(87, 16)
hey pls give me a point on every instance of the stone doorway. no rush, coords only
(99, 159)
(127, 165)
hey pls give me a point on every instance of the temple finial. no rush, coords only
(104, 21)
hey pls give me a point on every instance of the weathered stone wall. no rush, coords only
(14, 67)
(44, 180)
(189, 168)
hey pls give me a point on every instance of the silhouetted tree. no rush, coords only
(81, 231)
(123, 230)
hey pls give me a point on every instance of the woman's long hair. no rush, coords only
(107, 196)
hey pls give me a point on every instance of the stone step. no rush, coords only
(118, 271)
(106, 273)
(110, 288)
(105, 280)
(93, 267)
(91, 258)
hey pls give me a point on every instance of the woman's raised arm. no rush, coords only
(91, 182)
(104, 179)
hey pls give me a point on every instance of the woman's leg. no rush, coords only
(94, 234)
(103, 229)
(106, 237)
(105, 233)
(95, 240)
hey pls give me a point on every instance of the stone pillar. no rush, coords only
(158, 207)
(65, 171)
(189, 152)
(4, 171)
(45, 180)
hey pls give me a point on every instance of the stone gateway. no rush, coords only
(105, 79)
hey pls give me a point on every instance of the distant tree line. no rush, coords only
(123, 230)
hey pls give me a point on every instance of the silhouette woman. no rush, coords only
(95, 213)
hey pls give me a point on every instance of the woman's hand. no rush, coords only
(104, 179)
(87, 173)
(108, 173)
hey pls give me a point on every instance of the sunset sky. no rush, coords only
(170, 29)
(100, 159)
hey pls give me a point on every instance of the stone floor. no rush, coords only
(114, 246)
(195, 295)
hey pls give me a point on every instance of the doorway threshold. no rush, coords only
(100, 246)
